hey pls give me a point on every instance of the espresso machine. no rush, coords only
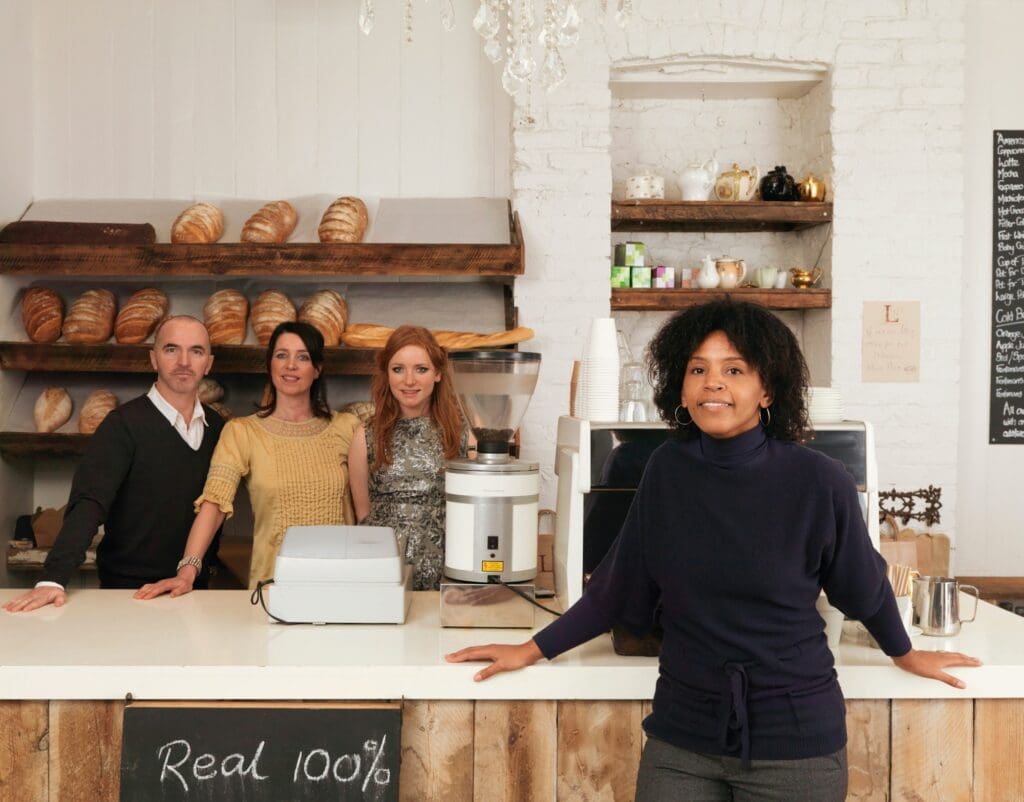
(491, 500)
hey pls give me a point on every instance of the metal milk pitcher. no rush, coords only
(936, 603)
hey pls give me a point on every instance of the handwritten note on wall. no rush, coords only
(891, 341)
(1006, 396)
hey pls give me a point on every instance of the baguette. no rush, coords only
(42, 313)
(201, 222)
(371, 335)
(274, 222)
(141, 313)
(90, 319)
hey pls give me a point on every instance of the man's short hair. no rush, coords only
(166, 320)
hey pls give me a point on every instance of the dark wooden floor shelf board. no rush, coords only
(668, 300)
(42, 444)
(699, 216)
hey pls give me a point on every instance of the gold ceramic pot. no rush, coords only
(802, 279)
(737, 184)
(811, 189)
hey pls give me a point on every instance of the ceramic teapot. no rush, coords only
(696, 180)
(731, 272)
(778, 185)
(737, 184)
(811, 189)
(802, 279)
(707, 277)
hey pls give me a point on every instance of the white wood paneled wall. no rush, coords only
(262, 99)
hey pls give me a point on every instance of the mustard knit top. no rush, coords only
(296, 474)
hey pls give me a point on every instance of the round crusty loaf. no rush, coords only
(327, 311)
(42, 313)
(209, 391)
(364, 410)
(140, 315)
(225, 313)
(270, 308)
(201, 222)
(90, 319)
(97, 406)
(53, 409)
(344, 221)
(274, 222)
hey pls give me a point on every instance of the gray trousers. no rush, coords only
(670, 774)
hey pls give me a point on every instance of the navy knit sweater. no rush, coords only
(734, 540)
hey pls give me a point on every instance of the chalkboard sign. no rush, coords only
(257, 753)
(1006, 397)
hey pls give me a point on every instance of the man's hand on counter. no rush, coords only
(36, 598)
(931, 665)
(503, 657)
(175, 586)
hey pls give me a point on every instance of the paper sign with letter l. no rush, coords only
(891, 341)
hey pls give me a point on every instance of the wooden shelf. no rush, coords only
(289, 260)
(114, 358)
(697, 216)
(669, 300)
(40, 444)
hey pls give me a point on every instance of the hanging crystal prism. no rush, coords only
(522, 63)
(486, 22)
(493, 50)
(448, 15)
(569, 30)
(366, 16)
(552, 71)
(509, 82)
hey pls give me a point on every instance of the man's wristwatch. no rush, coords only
(194, 561)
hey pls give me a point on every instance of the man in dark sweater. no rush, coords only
(142, 470)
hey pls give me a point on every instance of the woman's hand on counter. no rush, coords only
(36, 598)
(175, 586)
(503, 657)
(931, 664)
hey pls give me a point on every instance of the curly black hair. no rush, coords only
(762, 340)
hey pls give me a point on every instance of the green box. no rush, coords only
(620, 278)
(629, 254)
(640, 278)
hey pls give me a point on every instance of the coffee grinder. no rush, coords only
(492, 499)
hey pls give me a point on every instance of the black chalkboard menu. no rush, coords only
(261, 752)
(1006, 395)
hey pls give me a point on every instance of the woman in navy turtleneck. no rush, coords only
(734, 532)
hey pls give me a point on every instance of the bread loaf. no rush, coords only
(42, 313)
(327, 311)
(53, 409)
(371, 335)
(344, 221)
(225, 313)
(221, 410)
(209, 391)
(96, 407)
(364, 410)
(201, 222)
(270, 308)
(140, 315)
(274, 222)
(90, 319)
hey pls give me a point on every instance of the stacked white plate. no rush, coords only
(825, 405)
(599, 373)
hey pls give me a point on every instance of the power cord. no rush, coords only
(522, 594)
(257, 598)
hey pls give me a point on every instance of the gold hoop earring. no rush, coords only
(767, 411)
(675, 414)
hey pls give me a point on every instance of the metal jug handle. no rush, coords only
(974, 613)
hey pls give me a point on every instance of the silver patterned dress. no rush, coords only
(408, 495)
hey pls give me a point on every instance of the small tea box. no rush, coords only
(629, 254)
(684, 278)
(641, 278)
(664, 277)
(621, 278)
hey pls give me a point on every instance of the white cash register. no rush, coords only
(339, 575)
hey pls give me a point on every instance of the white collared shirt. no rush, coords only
(192, 432)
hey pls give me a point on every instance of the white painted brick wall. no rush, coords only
(893, 118)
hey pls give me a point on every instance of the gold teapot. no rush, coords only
(802, 279)
(811, 189)
(737, 184)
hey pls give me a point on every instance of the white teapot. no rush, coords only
(696, 180)
(737, 184)
(707, 276)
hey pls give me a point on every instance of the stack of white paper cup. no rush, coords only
(599, 375)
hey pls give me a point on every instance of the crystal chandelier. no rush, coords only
(559, 28)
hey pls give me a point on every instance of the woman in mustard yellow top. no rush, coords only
(293, 454)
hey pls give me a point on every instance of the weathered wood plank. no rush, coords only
(437, 751)
(85, 751)
(867, 725)
(652, 300)
(23, 752)
(598, 751)
(514, 751)
(661, 215)
(998, 747)
(932, 750)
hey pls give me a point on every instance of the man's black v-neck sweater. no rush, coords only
(139, 479)
(735, 539)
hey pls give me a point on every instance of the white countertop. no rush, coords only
(214, 645)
